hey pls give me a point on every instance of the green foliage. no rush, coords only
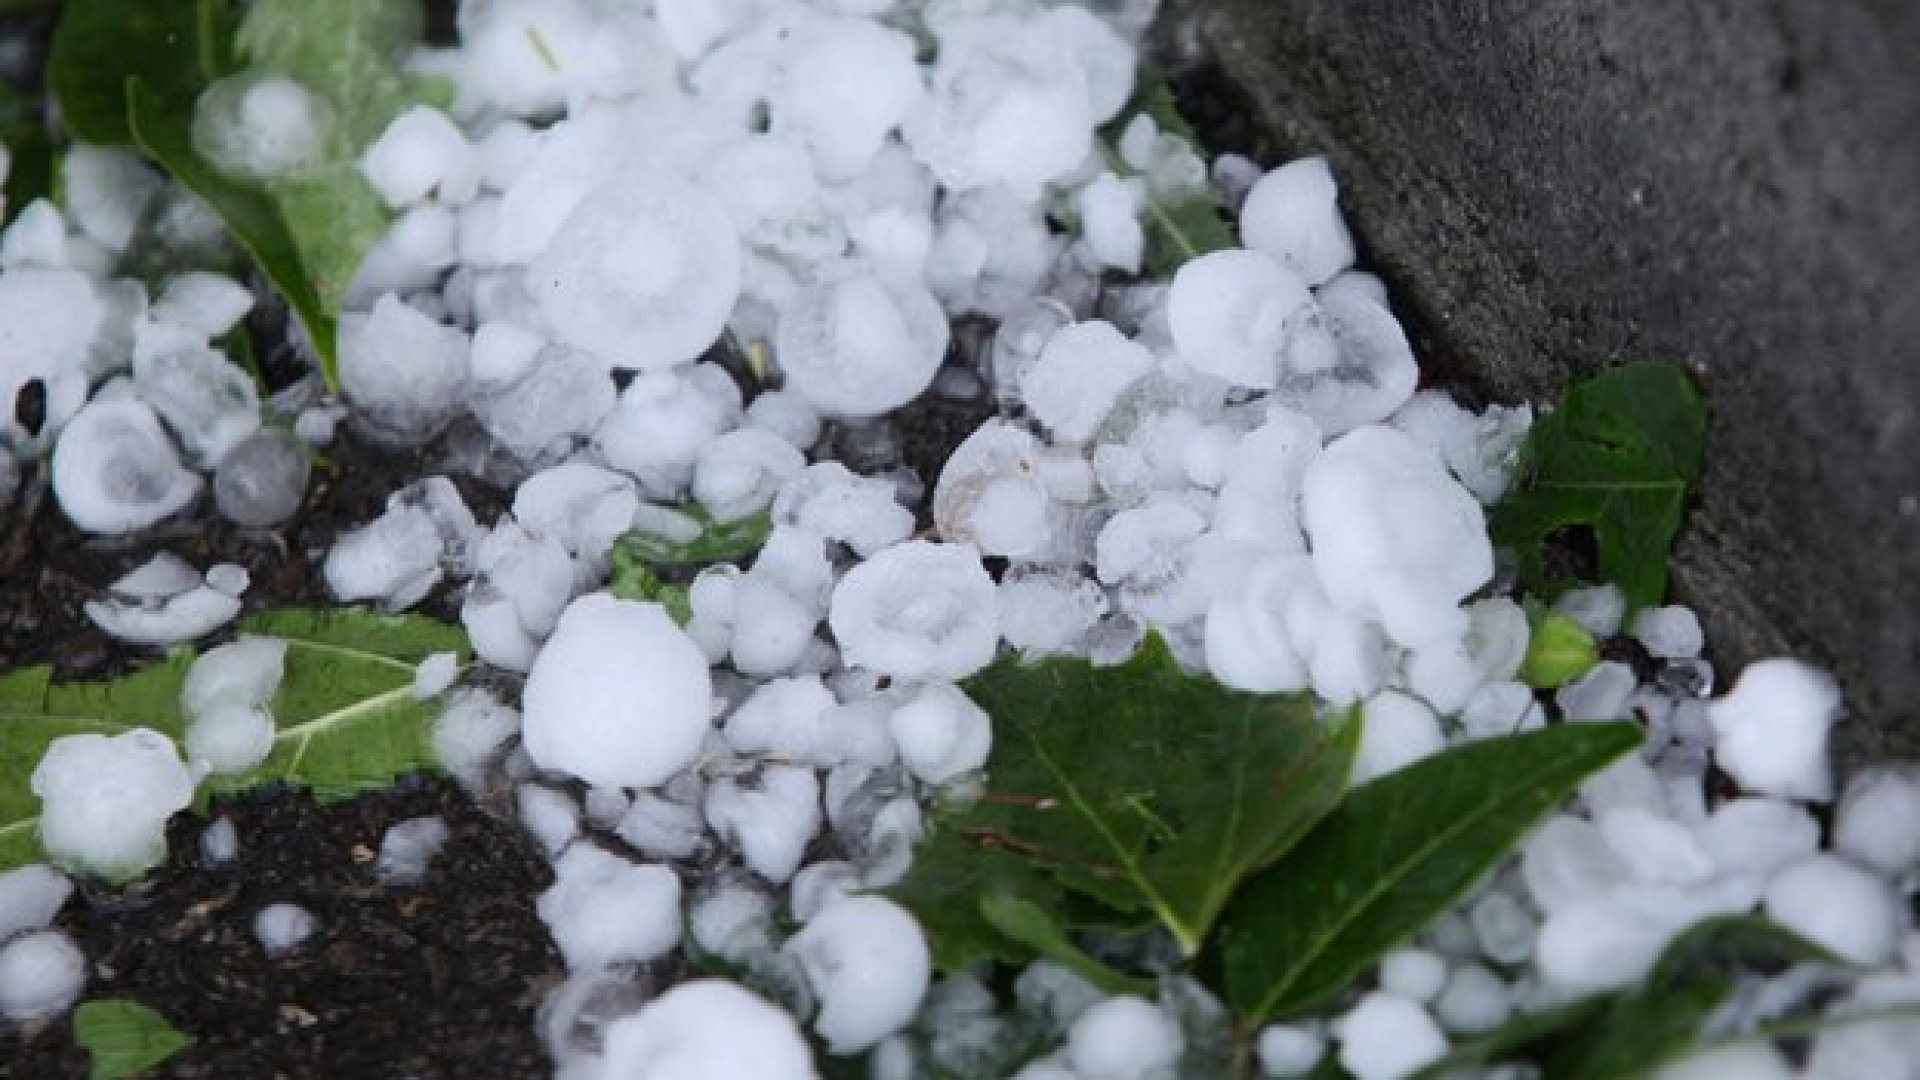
(175, 47)
(346, 718)
(1177, 227)
(351, 57)
(124, 1038)
(1632, 1032)
(1147, 792)
(23, 130)
(1396, 854)
(1617, 457)
(640, 554)
(1559, 650)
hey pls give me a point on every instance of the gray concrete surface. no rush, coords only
(1547, 184)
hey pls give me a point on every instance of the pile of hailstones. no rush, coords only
(1237, 459)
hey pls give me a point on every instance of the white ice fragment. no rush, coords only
(1394, 537)
(771, 820)
(1348, 363)
(1601, 694)
(1503, 927)
(991, 494)
(1757, 835)
(1044, 612)
(1147, 554)
(1741, 1061)
(867, 962)
(1290, 1050)
(582, 507)
(1669, 633)
(1110, 231)
(551, 817)
(828, 501)
(115, 470)
(845, 84)
(1396, 731)
(661, 423)
(41, 975)
(1292, 215)
(261, 126)
(772, 628)
(405, 373)
(1123, 1038)
(1839, 906)
(281, 927)
(917, 611)
(643, 273)
(1568, 860)
(1232, 314)
(1877, 822)
(244, 672)
(604, 910)
(229, 739)
(660, 828)
(401, 555)
(204, 302)
(941, 734)
(619, 697)
(558, 397)
(161, 602)
(30, 896)
(408, 848)
(739, 473)
(1655, 849)
(1079, 376)
(1599, 609)
(786, 414)
(1014, 110)
(1770, 730)
(1474, 1001)
(1596, 943)
(855, 343)
(469, 732)
(106, 191)
(421, 155)
(707, 1030)
(1415, 974)
(434, 674)
(818, 884)
(1386, 1037)
(220, 842)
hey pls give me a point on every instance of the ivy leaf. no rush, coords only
(1178, 226)
(176, 47)
(345, 716)
(1632, 1032)
(1147, 790)
(1618, 457)
(1397, 853)
(124, 1038)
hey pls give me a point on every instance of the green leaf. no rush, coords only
(176, 47)
(250, 213)
(124, 1038)
(1618, 457)
(351, 56)
(1559, 650)
(956, 870)
(702, 541)
(23, 130)
(1632, 1032)
(1397, 853)
(1032, 926)
(1180, 226)
(345, 714)
(1147, 790)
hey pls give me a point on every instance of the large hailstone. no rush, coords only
(1394, 537)
(619, 697)
(917, 611)
(846, 84)
(1232, 314)
(115, 470)
(707, 1030)
(643, 273)
(867, 961)
(105, 800)
(859, 344)
(1292, 214)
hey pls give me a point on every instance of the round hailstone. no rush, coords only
(1839, 906)
(941, 733)
(707, 1030)
(1232, 313)
(603, 910)
(230, 739)
(619, 697)
(917, 611)
(1012, 111)
(643, 273)
(1386, 1036)
(847, 83)
(1348, 364)
(115, 470)
(857, 344)
(1079, 377)
(1292, 215)
(105, 800)
(1124, 1038)
(261, 126)
(867, 961)
(1770, 731)
(41, 975)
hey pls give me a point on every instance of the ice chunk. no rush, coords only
(551, 817)
(229, 739)
(707, 1030)
(408, 848)
(1110, 232)
(1079, 376)
(245, 672)
(1394, 537)
(1147, 553)
(785, 719)
(643, 273)
(771, 820)
(1046, 612)
(604, 910)
(867, 962)
(1878, 820)
(991, 252)
(1568, 860)
(262, 481)
(619, 697)
(1748, 1061)
(1770, 730)
(1601, 694)
(1290, 1050)
(739, 473)
(582, 507)
(828, 501)
(261, 126)
(105, 800)
(1259, 497)
(917, 611)
(1474, 1001)
(420, 155)
(1232, 314)
(1386, 1037)
(1503, 927)
(772, 628)
(1598, 609)
(1669, 633)
(115, 471)
(845, 84)
(30, 896)
(1292, 215)
(941, 734)
(522, 581)
(560, 396)
(1839, 906)
(206, 303)
(41, 975)
(208, 402)
(405, 373)
(434, 674)
(1123, 1038)
(786, 414)
(1014, 110)
(396, 559)
(1415, 974)
(163, 601)
(663, 829)
(280, 928)
(469, 732)
(662, 422)
(1757, 835)
(1348, 363)
(106, 191)
(220, 843)
(1397, 730)
(991, 494)
(857, 344)
(1595, 944)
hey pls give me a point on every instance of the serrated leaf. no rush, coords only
(1397, 853)
(1632, 1032)
(1618, 456)
(176, 47)
(1152, 792)
(124, 1038)
(345, 715)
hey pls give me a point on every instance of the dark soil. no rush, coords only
(440, 980)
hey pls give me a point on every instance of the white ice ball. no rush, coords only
(859, 344)
(867, 961)
(105, 800)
